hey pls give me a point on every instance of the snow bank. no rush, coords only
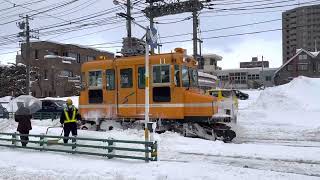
(302, 93)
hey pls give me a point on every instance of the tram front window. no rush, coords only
(194, 77)
(161, 74)
(95, 79)
(185, 77)
(177, 75)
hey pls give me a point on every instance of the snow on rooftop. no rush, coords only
(66, 62)
(315, 53)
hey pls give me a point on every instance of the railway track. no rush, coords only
(299, 167)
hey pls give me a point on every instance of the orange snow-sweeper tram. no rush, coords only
(114, 90)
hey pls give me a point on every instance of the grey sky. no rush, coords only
(233, 49)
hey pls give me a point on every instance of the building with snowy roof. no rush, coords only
(58, 66)
(303, 63)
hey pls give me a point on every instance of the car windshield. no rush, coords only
(224, 93)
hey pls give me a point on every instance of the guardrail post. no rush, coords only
(74, 144)
(111, 151)
(154, 153)
(14, 139)
(146, 145)
(42, 141)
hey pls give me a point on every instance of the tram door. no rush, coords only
(110, 96)
(127, 91)
(140, 90)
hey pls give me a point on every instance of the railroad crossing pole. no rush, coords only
(147, 82)
(149, 39)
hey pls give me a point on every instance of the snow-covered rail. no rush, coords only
(88, 146)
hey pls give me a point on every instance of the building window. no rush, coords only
(126, 78)
(91, 58)
(110, 79)
(161, 74)
(65, 73)
(45, 74)
(211, 61)
(141, 77)
(52, 52)
(36, 54)
(302, 67)
(74, 56)
(290, 67)
(78, 58)
(95, 79)
(268, 78)
(303, 57)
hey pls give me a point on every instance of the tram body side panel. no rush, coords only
(198, 105)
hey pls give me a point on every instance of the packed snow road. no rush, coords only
(278, 138)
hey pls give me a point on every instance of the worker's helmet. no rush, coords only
(69, 102)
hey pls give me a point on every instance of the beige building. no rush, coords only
(55, 67)
(210, 63)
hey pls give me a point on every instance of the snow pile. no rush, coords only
(302, 93)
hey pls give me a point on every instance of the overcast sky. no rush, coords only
(233, 49)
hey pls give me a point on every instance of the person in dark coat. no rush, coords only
(23, 117)
(69, 118)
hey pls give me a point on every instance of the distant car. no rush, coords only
(241, 95)
(51, 109)
(4, 114)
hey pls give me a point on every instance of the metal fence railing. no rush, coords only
(38, 115)
(46, 115)
(147, 150)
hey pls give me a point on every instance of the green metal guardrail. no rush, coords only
(150, 148)
(41, 115)
(46, 115)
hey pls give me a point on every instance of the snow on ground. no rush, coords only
(278, 138)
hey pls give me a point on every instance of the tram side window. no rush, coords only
(110, 79)
(161, 73)
(177, 75)
(185, 77)
(141, 78)
(95, 79)
(126, 78)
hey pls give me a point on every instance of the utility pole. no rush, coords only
(151, 25)
(160, 8)
(262, 74)
(129, 34)
(195, 34)
(24, 25)
(26, 32)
